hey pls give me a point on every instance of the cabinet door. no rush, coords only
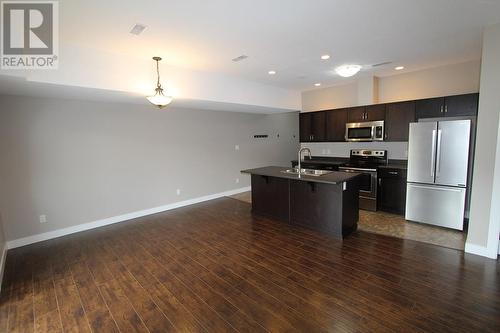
(392, 191)
(316, 206)
(375, 112)
(398, 117)
(305, 127)
(461, 105)
(430, 108)
(270, 197)
(318, 126)
(335, 125)
(356, 114)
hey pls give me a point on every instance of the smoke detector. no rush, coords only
(138, 29)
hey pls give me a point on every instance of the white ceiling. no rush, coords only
(198, 39)
(287, 36)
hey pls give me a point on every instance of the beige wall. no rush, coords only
(484, 225)
(79, 161)
(453, 79)
(439, 81)
(330, 98)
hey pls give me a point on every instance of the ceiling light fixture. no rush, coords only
(325, 57)
(317, 84)
(347, 70)
(271, 72)
(159, 99)
(399, 68)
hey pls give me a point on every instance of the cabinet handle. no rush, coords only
(393, 172)
(446, 109)
(441, 109)
(380, 182)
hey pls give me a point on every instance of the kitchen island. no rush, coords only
(327, 203)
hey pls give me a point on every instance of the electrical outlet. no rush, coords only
(178, 191)
(237, 147)
(237, 180)
(43, 218)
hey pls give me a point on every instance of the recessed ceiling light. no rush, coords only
(399, 68)
(317, 84)
(325, 57)
(271, 72)
(138, 29)
(347, 70)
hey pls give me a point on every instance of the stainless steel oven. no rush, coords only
(365, 131)
(367, 186)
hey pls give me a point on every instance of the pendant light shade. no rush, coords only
(159, 99)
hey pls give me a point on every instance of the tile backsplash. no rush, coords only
(395, 150)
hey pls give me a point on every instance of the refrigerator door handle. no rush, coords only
(438, 158)
(436, 188)
(433, 152)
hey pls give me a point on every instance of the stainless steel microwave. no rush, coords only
(365, 131)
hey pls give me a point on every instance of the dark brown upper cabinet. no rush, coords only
(312, 126)
(449, 106)
(366, 113)
(335, 125)
(430, 108)
(329, 125)
(398, 117)
(356, 114)
(305, 127)
(375, 112)
(461, 105)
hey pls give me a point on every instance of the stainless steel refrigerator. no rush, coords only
(438, 154)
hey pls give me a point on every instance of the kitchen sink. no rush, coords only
(307, 172)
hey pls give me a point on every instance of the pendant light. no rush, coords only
(159, 99)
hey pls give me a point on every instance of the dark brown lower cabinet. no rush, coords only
(391, 196)
(324, 207)
(270, 197)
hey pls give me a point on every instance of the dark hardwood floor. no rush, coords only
(213, 267)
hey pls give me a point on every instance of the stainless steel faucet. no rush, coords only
(300, 157)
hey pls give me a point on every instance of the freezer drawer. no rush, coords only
(439, 205)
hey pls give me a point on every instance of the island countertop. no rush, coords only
(335, 177)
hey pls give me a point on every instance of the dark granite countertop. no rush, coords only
(327, 160)
(396, 164)
(335, 177)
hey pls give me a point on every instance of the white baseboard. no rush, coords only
(2, 264)
(481, 251)
(115, 219)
